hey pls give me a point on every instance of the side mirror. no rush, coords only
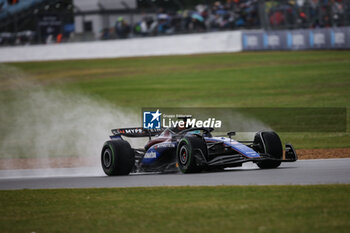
(230, 134)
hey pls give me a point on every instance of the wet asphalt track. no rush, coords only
(330, 171)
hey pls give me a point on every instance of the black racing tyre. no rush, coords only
(188, 148)
(269, 142)
(117, 158)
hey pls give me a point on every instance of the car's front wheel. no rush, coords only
(269, 142)
(190, 151)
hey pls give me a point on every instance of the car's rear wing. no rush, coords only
(137, 132)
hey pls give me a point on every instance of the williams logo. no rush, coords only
(151, 120)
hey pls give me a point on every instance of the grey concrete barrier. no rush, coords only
(215, 42)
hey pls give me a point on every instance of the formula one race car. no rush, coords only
(190, 150)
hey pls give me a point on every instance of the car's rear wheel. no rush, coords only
(270, 143)
(190, 153)
(117, 158)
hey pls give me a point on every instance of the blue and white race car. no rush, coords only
(190, 150)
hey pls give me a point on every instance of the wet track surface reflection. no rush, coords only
(329, 171)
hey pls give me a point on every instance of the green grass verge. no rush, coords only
(276, 79)
(321, 208)
(264, 79)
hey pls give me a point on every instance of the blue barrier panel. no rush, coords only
(275, 40)
(302, 39)
(252, 40)
(298, 40)
(319, 39)
(347, 29)
(338, 38)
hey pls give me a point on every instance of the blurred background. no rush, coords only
(62, 21)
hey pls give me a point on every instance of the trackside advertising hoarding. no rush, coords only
(302, 39)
